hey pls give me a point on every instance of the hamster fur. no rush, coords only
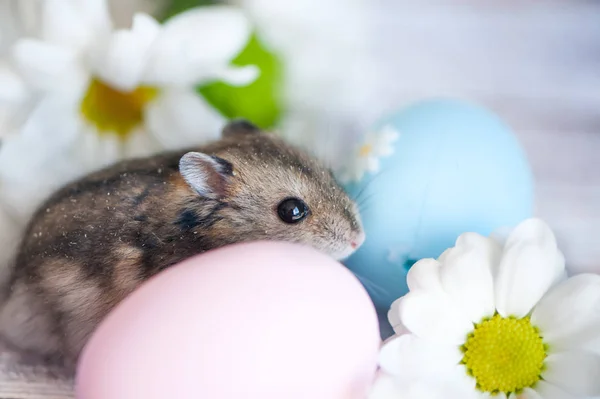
(97, 239)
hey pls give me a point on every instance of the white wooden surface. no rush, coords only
(537, 64)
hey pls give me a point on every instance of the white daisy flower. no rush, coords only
(332, 81)
(375, 146)
(85, 94)
(490, 319)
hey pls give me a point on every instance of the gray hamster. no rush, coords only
(97, 239)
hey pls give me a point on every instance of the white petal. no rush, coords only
(141, 143)
(500, 235)
(389, 134)
(393, 316)
(95, 151)
(31, 169)
(385, 150)
(544, 390)
(385, 139)
(427, 310)
(146, 27)
(61, 23)
(12, 87)
(74, 23)
(123, 58)
(577, 373)
(45, 66)
(527, 393)
(385, 387)
(7, 121)
(466, 275)
(237, 76)
(534, 231)
(424, 275)
(49, 129)
(181, 118)
(460, 384)
(442, 257)
(96, 13)
(24, 197)
(35, 163)
(197, 44)
(357, 169)
(52, 124)
(530, 265)
(412, 357)
(372, 164)
(432, 315)
(569, 314)
(453, 384)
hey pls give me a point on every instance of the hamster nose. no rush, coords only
(358, 240)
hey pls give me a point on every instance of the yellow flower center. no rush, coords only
(365, 150)
(504, 354)
(114, 111)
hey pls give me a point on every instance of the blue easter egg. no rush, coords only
(456, 167)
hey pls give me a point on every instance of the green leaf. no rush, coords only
(258, 102)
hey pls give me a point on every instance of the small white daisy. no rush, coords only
(376, 145)
(490, 319)
(325, 47)
(82, 94)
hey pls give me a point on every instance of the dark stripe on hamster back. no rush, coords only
(159, 255)
(140, 198)
(188, 219)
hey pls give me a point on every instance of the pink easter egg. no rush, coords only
(264, 320)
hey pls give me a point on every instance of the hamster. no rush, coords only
(97, 239)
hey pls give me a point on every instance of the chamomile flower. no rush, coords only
(366, 159)
(86, 94)
(331, 85)
(490, 319)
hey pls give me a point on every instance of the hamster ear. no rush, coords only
(239, 126)
(208, 175)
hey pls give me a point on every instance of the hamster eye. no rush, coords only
(292, 210)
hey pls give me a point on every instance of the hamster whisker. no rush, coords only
(364, 202)
(370, 285)
(362, 191)
(368, 184)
